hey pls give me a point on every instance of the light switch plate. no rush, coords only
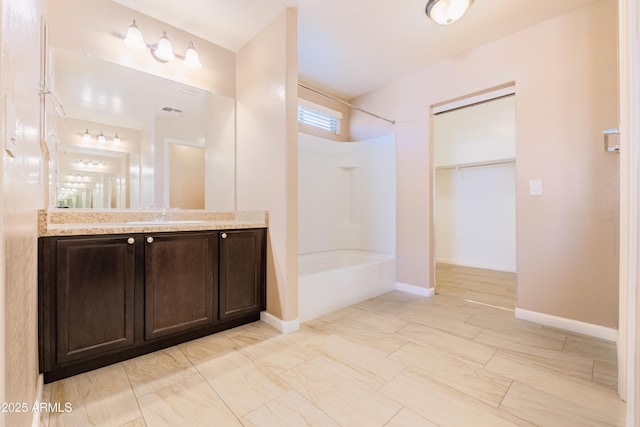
(535, 187)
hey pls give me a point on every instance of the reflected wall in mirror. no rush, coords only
(112, 151)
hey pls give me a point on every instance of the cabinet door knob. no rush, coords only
(131, 240)
(149, 239)
(223, 235)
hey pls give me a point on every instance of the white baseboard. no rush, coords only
(283, 326)
(36, 402)
(571, 325)
(494, 267)
(416, 290)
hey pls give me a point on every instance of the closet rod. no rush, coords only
(477, 164)
(393, 122)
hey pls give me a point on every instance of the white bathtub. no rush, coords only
(329, 281)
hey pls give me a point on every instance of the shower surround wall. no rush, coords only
(346, 216)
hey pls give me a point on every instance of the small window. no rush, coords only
(319, 116)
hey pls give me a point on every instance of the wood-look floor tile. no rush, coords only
(489, 286)
(277, 353)
(392, 302)
(505, 321)
(363, 334)
(605, 373)
(242, 383)
(443, 405)
(306, 335)
(251, 333)
(597, 349)
(452, 344)
(545, 409)
(191, 403)
(288, 410)
(433, 319)
(517, 348)
(407, 418)
(46, 398)
(362, 363)
(518, 339)
(209, 346)
(102, 397)
(571, 389)
(139, 422)
(157, 370)
(456, 373)
(347, 401)
(507, 301)
(376, 321)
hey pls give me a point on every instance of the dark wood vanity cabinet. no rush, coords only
(240, 274)
(91, 299)
(104, 299)
(179, 282)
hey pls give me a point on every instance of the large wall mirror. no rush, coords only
(117, 142)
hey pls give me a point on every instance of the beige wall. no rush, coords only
(330, 103)
(566, 94)
(22, 195)
(266, 153)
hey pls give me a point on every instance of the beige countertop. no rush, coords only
(76, 222)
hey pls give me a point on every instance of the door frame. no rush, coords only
(490, 94)
(629, 92)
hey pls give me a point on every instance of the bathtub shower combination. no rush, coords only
(346, 221)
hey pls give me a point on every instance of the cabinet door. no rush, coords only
(241, 273)
(94, 294)
(179, 282)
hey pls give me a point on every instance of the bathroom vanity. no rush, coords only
(116, 285)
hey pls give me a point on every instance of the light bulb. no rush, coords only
(164, 51)
(134, 40)
(191, 58)
(86, 138)
(445, 12)
(101, 138)
(116, 140)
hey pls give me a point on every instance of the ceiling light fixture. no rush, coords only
(162, 51)
(445, 12)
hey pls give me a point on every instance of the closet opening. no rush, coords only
(474, 172)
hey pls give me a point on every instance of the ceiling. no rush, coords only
(350, 47)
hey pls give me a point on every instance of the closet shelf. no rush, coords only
(477, 164)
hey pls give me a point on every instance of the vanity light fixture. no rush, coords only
(162, 51)
(100, 138)
(446, 12)
(134, 40)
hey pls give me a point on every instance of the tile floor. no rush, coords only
(457, 359)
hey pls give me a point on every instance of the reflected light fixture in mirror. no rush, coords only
(445, 12)
(162, 51)
(100, 138)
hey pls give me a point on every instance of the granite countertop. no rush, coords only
(76, 222)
